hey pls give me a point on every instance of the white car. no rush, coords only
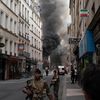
(61, 70)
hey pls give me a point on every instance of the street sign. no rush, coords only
(2, 44)
(74, 40)
(20, 47)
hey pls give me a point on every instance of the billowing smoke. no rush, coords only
(53, 14)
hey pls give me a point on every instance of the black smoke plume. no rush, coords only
(51, 18)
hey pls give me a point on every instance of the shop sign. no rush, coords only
(74, 40)
(20, 47)
(87, 44)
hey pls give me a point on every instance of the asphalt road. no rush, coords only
(12, 90)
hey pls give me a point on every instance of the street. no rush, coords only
(12, 89)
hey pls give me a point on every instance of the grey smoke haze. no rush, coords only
(53, 14)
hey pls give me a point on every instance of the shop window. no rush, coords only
(93, 8)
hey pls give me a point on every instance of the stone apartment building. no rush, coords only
(87, 29)
(21, 32)
(35, 34)
(8, 36)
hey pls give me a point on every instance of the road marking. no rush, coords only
(74, 92)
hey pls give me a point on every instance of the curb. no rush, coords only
(64, 88)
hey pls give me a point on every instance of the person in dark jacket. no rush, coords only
(91, 82)
(55, 83)
(72, 75)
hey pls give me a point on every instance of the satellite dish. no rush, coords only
(2, 44)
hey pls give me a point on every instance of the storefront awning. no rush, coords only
(87, 44)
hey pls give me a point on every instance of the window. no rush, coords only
(1, 18)
(23, 10)
(6, 21)
(15, 27)
(35, 30)
(19, 26)
(32, 15)
(11, 4)
(15, 8)
(15, 49)
(35, 55)
(10, 47)
(22, 28)
(27, 1)
(39, 34)
(28, 16)
(35, 42)
(93, 8)
(38, 45)
(25, 29)
(6, 42)
(11, 24)
(20, 8)
(32, 53)
(32, 40)
(25, 13)
(32, 28)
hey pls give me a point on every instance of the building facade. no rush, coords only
(35, 34)
(8, 36)
(21, 32)
(87, 29)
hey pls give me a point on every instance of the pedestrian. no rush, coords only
(76, 73)
(40, 87)
(47, 71)
(55, 83)
(72, 75)
(91, 82)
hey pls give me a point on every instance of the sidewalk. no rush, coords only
(73, 91)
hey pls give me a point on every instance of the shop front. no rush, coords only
(87, 48)
(3, 63)
(11, 69)
(95, 28)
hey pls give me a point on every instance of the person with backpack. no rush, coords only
(39, 87)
